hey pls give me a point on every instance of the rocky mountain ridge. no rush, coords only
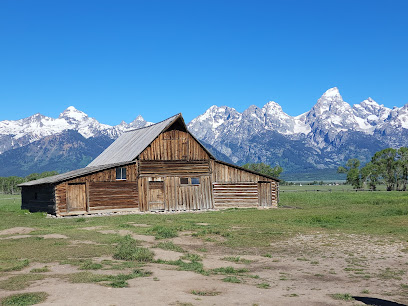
(322, 138)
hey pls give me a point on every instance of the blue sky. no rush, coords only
(117, 59)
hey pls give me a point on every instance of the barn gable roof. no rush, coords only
(122, 151)
(131, 143)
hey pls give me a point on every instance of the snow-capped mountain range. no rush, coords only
(324, 137)
(14, 134)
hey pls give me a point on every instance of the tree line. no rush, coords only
(9, 184)
(388, 166)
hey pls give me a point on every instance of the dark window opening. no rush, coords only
(121, 173)
(35, 196)
(183, 180)
(195, 181)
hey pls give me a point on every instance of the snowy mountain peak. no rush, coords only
(71, 113)
(332, 92)
(272, 107)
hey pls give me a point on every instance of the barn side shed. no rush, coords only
(162, 167)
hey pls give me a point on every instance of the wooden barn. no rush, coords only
(162, 167)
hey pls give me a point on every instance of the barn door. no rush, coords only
(76, 197)
(156, 195)
(265, 194)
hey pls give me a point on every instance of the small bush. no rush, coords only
(128, 249)
(162, 232)
(25, 299)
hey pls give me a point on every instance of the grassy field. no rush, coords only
(379, 216)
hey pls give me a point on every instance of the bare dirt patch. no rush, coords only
(303, 270)
(17, 230)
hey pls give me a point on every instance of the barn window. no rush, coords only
(184, 180)
(35, 196)
(121, 173)
(195, 181)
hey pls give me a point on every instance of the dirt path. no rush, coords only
(304, 270)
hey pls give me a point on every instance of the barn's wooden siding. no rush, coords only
(174, 145)
(223, 173)
(160, 187)
(102, 191)
(174, 168)
(234, 187)
(235, 195)
(38, 198)
(113, 195)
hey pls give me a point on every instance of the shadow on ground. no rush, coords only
(376, 302)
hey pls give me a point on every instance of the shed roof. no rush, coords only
(72, 174)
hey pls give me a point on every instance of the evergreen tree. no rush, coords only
(264, 169)
(352, 169)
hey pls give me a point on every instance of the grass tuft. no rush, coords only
(168, 245)
(232, 279)
(13, 265)
(19, 282)
(342, 296)
(128, 249)
(229, 270)
(40, 270)
(24, 299)
(163, 232)
(205, 293)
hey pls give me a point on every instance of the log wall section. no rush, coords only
(103, 191)
(38, 198)
(234, 187)
(174, 145)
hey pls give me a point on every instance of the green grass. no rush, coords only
(389, 273)
(40, 270)
(264, 286)
(194, 266)
(115, 281)
(128, 249)
(168, 245)
(232, 279)
(205, 293)
(229, 270)
(19, 282)
(163, 232)
(24, 299)
(237, 259)
(89, 265)
(375, 214)
(342, 296)
(13, 265)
